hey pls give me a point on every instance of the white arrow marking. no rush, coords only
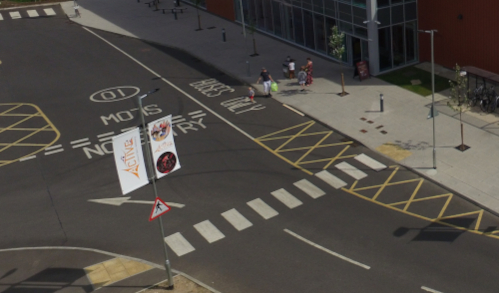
(117, 201)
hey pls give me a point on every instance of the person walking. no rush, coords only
(291, 68)
(251, 94)
(310, 71)
(266, 80)
(302, 78)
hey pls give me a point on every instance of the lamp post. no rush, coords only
(153, 179)
(432, 33)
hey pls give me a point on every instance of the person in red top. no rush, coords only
(309, 68)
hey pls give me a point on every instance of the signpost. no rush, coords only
(130, 162)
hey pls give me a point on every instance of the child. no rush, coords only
(251, 94)
(302, 78)
(291, 67)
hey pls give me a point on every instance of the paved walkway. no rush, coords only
(402, 131)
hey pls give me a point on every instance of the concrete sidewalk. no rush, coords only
(401, 132)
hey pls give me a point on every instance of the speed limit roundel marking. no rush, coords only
(114, 94)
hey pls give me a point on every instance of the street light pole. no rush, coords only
(153, 179)
(432, 33)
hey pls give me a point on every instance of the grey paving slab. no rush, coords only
(404, 118)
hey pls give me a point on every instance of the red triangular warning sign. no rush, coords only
(158, 209)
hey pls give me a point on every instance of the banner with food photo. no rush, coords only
(164, 153)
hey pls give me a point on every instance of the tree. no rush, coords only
(459, 98)
(252, 30)
(337, 50)
(199, 16)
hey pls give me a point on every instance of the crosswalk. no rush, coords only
(181, 246)
(31, 13)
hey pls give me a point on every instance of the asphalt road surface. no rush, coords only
(67, 90)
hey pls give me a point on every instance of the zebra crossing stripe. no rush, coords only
(209, 231)
(370, 162)
(49, 11)
(15, 15)
(286, 198)
(310, 189)
(1, 17)
(179, 244)
(331, 179)
(351, 170)
(262, 208)
(236, 219)
(32, 13)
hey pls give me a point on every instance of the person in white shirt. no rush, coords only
(291, 67)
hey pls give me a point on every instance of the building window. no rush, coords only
(345, 12)
(359, 3)
(298, 22)
(276, 13)
(397, 14)
(319, 6)
(309, 29)
(410, 41)
(411, 11)
(385, 48)
(383, 3)
(384, 16)
(320, 33)
(398, 45)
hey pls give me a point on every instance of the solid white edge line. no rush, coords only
(327, 250)
(174, 86)
(54, 152)
(430, 290)
(294, 110)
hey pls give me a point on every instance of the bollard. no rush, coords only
(381, 102)
(223, 35)
(249, 73)
(175, 13)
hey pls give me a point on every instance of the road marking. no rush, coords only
(262, 208)
(286, 198)
(53, 147)
(331, 179)
(236, 219)
(32, 13)
(310, 189)
(327, 250)
(209, 231)
(370, 162)
(113, 270)
(79, 140)
(179, 244)
(294, 110)
(49, 11)
(1, 18)
(195, 112)
(106, 134)
(351, 170)
(81, 145)
(15, 15)
(430, 290)
(178, 120)
(128, 129)
(174, 86)
(118, 201)
(54, 152)
(27, 158)
(198, 116)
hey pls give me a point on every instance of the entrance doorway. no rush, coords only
(356, 50)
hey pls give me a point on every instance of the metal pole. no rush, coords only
(381, 102)
(433, 100)
(242, 17)
(153, 179)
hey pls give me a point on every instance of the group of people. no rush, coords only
(305, 77)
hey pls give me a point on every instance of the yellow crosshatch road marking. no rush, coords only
(15, 114)
(404, 206)
(308, 150)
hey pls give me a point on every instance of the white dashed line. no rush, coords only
(79, 140)
(128, 129)
(209, 231)
(236, 219)
(262, 208)
(198, 116)
(53, 147)
(327, 250)
(32, 13)
(195, 112)
(331, 179)
(351, 170)
(106, 134)
(54, 152)
(370, 162)
(49, 11)
(15, 15)
(27, 158)
(179, 244)
(1, 17)
(309, 188)
(286, 198)
(430, 290)
(81, 145)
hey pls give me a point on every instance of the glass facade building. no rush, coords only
(382, 32)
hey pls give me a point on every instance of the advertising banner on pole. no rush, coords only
(165, 159)
(130, 160)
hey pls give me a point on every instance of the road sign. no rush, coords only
(158, 209)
